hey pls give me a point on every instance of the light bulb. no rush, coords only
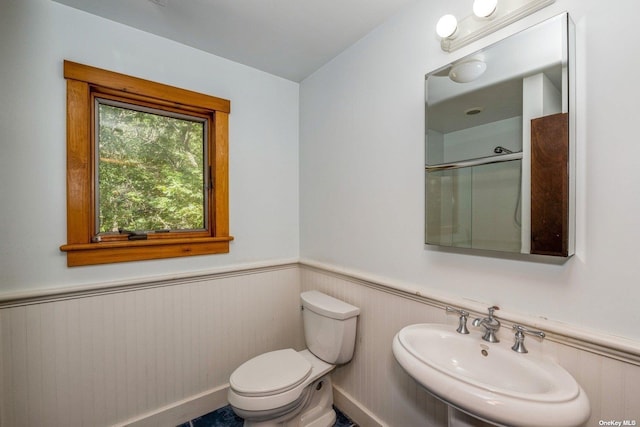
(447, 26)
(484, 8)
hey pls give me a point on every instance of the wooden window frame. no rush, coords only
(83, 84)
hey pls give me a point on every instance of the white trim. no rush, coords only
(48, 295)
(195, 406)
(614, 347)
(182, 411)
(353, 409)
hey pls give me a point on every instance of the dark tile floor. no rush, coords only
(225, 417)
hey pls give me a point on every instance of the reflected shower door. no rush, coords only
(475, 207)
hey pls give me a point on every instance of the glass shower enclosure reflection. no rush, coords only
(475, 206)
(474, 182)
(474, 167)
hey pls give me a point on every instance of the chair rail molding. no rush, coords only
(618, 348)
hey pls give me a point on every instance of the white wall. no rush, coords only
(479, 141)
(35, 37)
(362, 183)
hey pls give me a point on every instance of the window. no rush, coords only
(147, 169)
(150, 173)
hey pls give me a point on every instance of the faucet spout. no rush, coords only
(491, 325)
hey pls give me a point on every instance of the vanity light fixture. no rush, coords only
(447, 26)
(484, 8)
(488, 16)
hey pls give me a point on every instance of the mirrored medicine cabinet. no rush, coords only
(500, 161)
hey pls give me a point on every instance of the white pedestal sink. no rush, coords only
(488, 381)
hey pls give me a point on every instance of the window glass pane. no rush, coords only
(151, 169)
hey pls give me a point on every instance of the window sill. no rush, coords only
(140, 250)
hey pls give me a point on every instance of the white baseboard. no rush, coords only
(354, 409)
(195, 406)
(182, 411)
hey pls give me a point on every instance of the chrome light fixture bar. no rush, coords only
(488, 17)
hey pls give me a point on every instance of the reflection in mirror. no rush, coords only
(499, 151)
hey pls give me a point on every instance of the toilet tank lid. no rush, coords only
(325, 305)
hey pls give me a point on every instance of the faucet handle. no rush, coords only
(457, 310)
(522, 329)
(462, 325)
(518, 346)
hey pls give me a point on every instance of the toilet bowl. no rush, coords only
(277, 386)
(293, 388)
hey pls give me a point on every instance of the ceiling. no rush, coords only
(287, 38)
(498, 92)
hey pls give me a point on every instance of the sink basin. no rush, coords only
(490, 381)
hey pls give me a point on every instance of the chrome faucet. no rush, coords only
(462, 322)
(491, 325)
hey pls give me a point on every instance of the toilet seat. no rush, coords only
(252, 396)
(270, 373)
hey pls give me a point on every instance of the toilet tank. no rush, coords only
(329, 327)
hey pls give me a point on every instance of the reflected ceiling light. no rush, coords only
(473, 111)
(447, 26)
(467, 71)
(484, 8)
(455, 34)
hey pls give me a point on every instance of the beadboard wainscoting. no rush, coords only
(156, 353)
(159, 352)
(374, 390)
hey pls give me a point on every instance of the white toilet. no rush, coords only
(290, 388)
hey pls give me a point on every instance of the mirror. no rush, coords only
(499, 145)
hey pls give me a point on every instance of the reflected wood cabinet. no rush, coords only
(550, 185)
